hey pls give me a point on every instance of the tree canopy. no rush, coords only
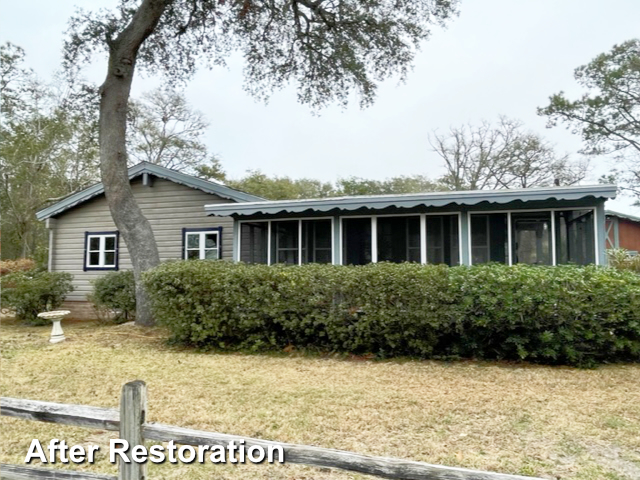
(607, 115)
(328, 48)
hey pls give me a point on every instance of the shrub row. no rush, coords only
(560, 315)
(31, 292)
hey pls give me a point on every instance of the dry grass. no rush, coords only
(530, 420)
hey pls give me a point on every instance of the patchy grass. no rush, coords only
(522, 419)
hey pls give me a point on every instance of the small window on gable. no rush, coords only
(201, 244)
(101, 251)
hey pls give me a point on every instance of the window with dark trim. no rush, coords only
(101, 250)
(201, 243)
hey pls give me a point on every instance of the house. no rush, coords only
(622, 231)
(193, 218)
(84, 241)
(542, 226)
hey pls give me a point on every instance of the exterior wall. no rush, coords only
(168, 206)
(629, 234)
(623, 233)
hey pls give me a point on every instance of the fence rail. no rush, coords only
(131, 422)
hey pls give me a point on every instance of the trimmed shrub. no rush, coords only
(559, 315)
(19, 265)
(114, 294)
(33, 292)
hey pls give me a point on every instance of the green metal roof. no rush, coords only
(157, 171)
(626, 216)
(431, 199)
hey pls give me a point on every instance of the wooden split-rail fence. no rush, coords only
(132, 425)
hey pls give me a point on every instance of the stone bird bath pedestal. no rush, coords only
(57, 335)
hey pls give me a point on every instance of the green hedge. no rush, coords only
(114, 294)
(35, 291)
(560, 315)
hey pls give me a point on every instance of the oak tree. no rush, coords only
(330, 49)
(607, 115)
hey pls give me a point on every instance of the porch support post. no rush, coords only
(236, 241)
(601, 254)
(374, 239)
(337, 244)
(464, 238)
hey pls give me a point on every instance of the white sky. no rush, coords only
(499, 57)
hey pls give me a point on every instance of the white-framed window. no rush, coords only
(101, 250)
(201, 244)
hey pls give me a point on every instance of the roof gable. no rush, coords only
(215, 188)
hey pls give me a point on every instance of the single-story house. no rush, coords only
(84, 241)
(193, 218)
(623, 231)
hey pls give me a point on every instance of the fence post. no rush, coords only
(133, 410)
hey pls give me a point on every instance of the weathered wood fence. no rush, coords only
(131, 423)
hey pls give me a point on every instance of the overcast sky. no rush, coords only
(499, 57)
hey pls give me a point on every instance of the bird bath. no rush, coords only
(57, 335)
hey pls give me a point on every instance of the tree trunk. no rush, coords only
(134, 228)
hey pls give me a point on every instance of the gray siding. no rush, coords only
(169, 207)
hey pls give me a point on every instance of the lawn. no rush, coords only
(530, 420)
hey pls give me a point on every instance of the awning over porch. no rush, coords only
(430, 199)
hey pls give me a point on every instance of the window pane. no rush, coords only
(109, 259)
(532, 238)
(211, 254)
(211, 240)
(575, 241)
(479, 230)
(94, 259)
(253, 242)
(443, 239)
(316, 241)
(396, 237)
(94, 243)
(193, 240)
(356, 241)
(109, 243)
(284, 242)
(193, 254)
(488, 238)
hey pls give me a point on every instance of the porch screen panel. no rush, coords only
(253, 242)
(356, 243)
(398, 239)
(531, 236)
(316, 241)
(489, 238)
(443, 244)
(575, 237)
(284, 242)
